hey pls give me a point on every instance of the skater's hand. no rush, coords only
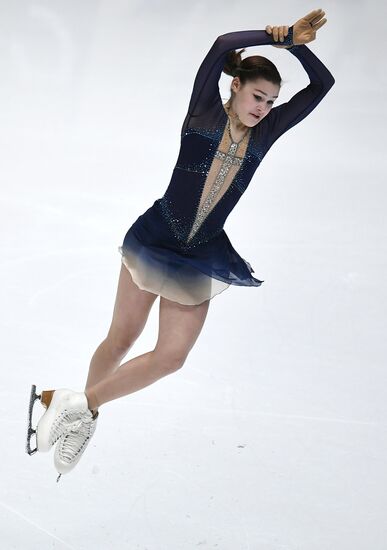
(304, 30)
(279, 33)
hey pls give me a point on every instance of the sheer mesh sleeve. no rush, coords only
(205, 89)
(206, 85)
(287, 115)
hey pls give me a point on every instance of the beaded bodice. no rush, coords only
(225, 164)
(212, 171)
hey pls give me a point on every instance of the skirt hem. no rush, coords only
(162, 293)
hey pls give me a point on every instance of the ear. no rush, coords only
(235, 84)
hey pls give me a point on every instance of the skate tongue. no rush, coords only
(75, 427)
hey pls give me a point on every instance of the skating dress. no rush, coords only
(178, 248)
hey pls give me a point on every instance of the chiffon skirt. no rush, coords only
(158, 264)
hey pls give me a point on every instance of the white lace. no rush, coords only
(63, 422)
(75, 441)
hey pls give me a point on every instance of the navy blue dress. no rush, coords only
(178, 248)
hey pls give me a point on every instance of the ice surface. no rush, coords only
(273, 434)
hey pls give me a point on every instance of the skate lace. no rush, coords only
(65, 417)
(75, 440)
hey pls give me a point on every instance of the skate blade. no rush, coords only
(45, 398)
(30, 430)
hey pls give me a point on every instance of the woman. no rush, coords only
(178, 249)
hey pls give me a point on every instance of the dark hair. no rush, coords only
(251, 68)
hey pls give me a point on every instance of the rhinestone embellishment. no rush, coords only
(228, 159)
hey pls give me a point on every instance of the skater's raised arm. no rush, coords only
(288, 114)
(206, 85)
(206, 89)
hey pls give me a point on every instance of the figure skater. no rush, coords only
(178, 249)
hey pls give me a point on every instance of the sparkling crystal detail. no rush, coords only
(228, 159)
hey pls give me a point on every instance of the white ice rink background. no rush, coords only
(273, 435)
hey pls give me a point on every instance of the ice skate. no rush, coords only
(64, 410)
(73, 443)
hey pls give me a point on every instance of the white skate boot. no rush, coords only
(65, 409)
(73, 443)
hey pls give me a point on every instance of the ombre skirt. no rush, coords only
(157, 264)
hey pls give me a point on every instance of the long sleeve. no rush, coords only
(205, 89)
(283, 117)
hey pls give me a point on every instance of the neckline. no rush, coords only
(231, 186)
(249, 131)
(237, 143)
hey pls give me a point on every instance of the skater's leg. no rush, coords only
(179, 328)
(131, 310)
(65, 408)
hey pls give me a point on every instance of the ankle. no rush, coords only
(92, 402)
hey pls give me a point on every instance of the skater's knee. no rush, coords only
(168, 360)
(118, 345)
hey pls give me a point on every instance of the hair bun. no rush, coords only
(233, 62)
(254, 66)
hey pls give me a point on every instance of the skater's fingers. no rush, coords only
(320, 24)
(316, 19)
(281, 33)
(312, 15)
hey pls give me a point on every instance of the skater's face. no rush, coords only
(253, 100)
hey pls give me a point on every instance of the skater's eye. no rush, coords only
(260, 98)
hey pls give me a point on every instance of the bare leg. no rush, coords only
(131, 310)
(179, 328)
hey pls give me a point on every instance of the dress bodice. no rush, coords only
(212, 172)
